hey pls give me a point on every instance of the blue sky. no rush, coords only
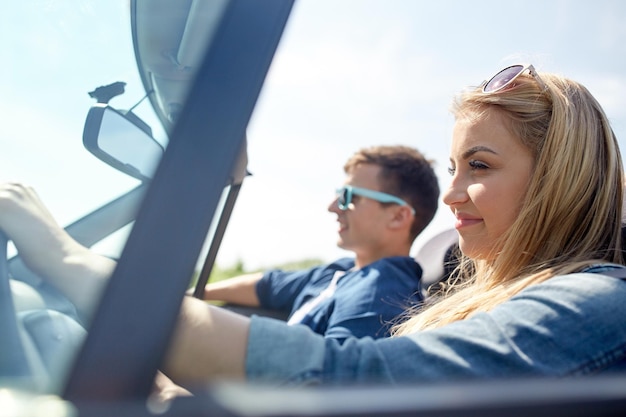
(348, 74)
(354, 73)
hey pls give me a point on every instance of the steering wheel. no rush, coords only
(13, 362)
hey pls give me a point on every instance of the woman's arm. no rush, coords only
(209, 343)
(48, 250)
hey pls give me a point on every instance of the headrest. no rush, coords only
(432, 253)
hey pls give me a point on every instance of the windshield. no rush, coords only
(57, 53)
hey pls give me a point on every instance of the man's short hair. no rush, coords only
(407, 174)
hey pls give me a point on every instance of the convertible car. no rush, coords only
(163, 156)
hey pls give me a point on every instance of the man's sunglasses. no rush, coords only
(345, 193)
(505, 78)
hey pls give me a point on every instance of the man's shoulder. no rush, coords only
(390, 272)
(396, 264)
(389, 283)
(341, 264)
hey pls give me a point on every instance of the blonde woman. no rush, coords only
(537, 194)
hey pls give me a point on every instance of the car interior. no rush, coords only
(105, 365)
(123, 141)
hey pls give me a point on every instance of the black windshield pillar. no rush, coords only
(132, 327)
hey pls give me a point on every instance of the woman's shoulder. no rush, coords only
(608, 269)
(596, 288)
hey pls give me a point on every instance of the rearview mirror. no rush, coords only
(122, 141)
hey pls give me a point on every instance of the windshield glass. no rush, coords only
(57, 53)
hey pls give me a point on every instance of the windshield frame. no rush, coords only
(109, 368)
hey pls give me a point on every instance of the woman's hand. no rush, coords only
(165, 389)
(22, 214)
(48, 250)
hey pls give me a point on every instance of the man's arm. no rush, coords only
(239, 290)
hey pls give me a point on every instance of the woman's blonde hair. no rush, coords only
(571, 214)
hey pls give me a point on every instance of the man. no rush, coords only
(390, 195)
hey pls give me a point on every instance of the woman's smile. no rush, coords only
(464, 221)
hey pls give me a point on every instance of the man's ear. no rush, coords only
(402, 218)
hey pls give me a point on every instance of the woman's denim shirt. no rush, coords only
(568, 325)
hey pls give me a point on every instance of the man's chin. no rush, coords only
(343, 245)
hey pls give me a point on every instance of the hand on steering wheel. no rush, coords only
(13, 363)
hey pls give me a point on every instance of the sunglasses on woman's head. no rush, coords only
(345, 193)
(505, 78)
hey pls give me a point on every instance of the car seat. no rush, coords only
(436, 258)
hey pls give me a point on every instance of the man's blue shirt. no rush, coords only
(364, 303)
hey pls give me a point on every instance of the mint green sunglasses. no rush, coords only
(345, 193)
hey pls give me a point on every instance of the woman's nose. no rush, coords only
(456, 193)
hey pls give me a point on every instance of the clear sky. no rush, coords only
(348, 74)
(354, 73)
